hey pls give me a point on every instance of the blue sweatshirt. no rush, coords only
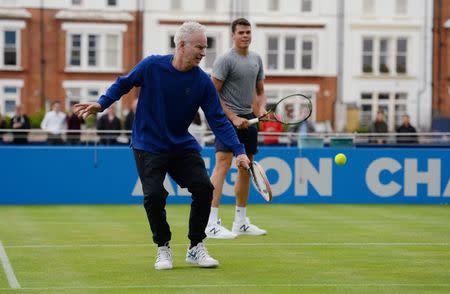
(168, 102)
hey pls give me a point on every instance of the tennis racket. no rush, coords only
(290, 110)
(260, 181)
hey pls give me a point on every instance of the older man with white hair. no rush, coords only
(173, 88)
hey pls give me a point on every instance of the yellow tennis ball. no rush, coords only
(340, 159)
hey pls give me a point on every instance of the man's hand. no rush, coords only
(240, 122)
(242, 161)
(83, 110)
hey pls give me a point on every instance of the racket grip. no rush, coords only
(253, 121)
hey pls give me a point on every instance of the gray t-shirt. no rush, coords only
(239, 75)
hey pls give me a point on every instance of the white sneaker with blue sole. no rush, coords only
(198, 255)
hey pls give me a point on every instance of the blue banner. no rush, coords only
(94, 175)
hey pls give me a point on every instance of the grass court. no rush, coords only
(308, 249)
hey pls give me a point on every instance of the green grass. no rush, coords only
(309, 249)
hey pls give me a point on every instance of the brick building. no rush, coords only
(67, 50)
(441, 59)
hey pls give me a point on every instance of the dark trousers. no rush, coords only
(188, 170)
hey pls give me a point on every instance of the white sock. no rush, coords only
(241, 213)
(213, 215)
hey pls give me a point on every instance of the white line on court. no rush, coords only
(291, 285)
(12, 280)
(306, 244)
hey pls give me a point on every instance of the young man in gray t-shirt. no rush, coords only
(238, 76)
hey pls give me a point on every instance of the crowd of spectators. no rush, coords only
(62, 128)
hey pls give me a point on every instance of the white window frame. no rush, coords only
(392, 116)
(293, 52)
(298, 54)
(368, 53)
(402, 54)
(84, 86)
(276, 52)
(314, 46)
(15, 26)
(16, 97)
(391, 54)
(102, 30)
(387, 54)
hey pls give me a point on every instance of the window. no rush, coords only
(402, 50)
(272, 53)
(274, 5)
(307, 54)
(175, 4)
(367, 55)
(400, 107)
(94, 51)
(384, 56)
(112, 50)
(9, 98)
(76, 92)
(75, 50)
(401, 7)
(10, 48)
(289, 53)
(77, 2)
(369, 7)
(211, 5)
(211, 52)
(394, 106)
(366, 109)
(112, 2)
(306, 6)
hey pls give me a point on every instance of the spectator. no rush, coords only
(379, 126)
(129, 119)
(108, 122)
(74, 123)
(271, 127)
(20, 121)
(198, 128)
(406, 127)
(130, 116)
(55, 124)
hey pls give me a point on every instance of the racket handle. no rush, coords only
(253, 121)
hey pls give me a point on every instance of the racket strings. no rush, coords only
(293, 109)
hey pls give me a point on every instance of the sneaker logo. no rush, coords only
(192, 254)
(215, 231)
(244, 228)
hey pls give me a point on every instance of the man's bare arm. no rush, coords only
(238, 122)
(259, 105)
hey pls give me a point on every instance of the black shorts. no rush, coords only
(248, 137)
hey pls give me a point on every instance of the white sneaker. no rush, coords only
(246, 228)
(199, 255)
(163, 258)
(216, 231)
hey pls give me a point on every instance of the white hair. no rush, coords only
(186, 30)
